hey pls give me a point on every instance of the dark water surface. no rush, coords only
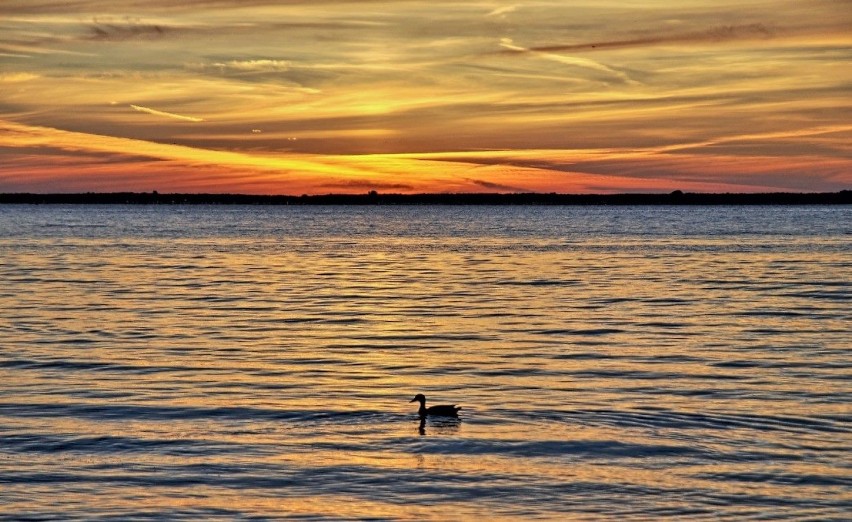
(257, 362)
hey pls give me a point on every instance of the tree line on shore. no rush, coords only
(677, 197)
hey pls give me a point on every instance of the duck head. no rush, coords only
(419, 398)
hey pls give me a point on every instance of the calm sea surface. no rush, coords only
(258, 362)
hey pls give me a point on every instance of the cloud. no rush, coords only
(757, 136)
(283, 73)
(18, 135)
(257, 173)
(586, 63)
(95, 6)
(351, 77)
(166, 114)
(260, 66)
(497, 186)
(606, 170)
(366, 185)
(27, 50)
(502, 11)
(717, 34)
(125, 31)
(17, 77)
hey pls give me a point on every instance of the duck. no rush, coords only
(441, 410)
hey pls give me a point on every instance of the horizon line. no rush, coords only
(676, 197)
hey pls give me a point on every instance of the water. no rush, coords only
(257, 362)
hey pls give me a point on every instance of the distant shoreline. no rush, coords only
(843, 197)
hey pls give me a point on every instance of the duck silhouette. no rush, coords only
(441, 410)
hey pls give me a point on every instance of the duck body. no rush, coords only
(441, 410)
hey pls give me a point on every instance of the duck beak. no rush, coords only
(412, 400)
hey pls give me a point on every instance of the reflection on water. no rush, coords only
(439, 425)
(629, 363)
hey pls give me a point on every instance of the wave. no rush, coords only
(655, 418)
(112, 411)
(579, 332)
(558, 448)
(110, 444)
(783, 479)
(96, 366)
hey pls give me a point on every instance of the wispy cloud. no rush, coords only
(502, 11)
(28, 50)
(575, 61)
(367, 185)
(716, 34)
(166, 114)
(125, 31)
(580, 94)
(17, 77)
(260, 65)
(757, 136)
(490, 185)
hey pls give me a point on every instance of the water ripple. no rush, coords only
(203, 363)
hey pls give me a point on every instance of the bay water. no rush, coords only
(257, 362)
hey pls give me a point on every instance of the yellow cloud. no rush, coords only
(17, 77)
(165, 114)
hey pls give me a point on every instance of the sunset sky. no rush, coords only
(319, 96)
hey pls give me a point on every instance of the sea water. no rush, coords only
(226, 362)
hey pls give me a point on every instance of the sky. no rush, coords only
(406, 96)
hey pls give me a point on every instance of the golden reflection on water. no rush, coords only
(273, 375)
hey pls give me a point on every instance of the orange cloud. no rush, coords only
(408, 96)
(127, 164)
